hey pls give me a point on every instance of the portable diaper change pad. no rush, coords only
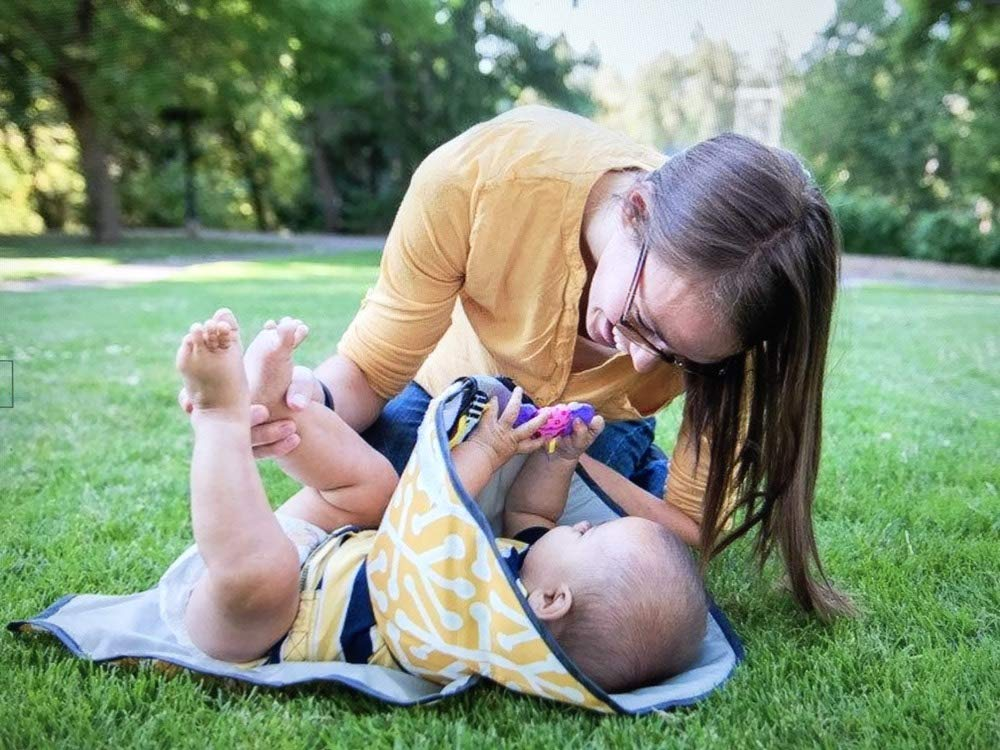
(445, 602)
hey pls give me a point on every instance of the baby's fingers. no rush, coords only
(530, 445)
(596, 426)
(580, 435)
(584, 435)
(533, 425)
(513, 407)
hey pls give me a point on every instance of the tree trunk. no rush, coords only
(103, 212)
(328, 196)
(256, 183)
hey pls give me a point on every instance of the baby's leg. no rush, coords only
(248, 596)
(347, 482)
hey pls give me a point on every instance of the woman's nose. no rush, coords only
(642, 360)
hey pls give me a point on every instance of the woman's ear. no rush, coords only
(550, 605)
(636, 208)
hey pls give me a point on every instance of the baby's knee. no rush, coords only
(257, 585)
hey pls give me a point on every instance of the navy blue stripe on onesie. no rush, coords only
(359, 619)
(529, 536)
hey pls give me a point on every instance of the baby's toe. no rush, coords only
(187, 345)
(287, 332)
(225, 315)
(211, 335)
(225, 334)
(196, 336)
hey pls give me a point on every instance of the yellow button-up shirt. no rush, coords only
(482, 272)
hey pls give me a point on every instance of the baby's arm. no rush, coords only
(538, 495)
(494, 441)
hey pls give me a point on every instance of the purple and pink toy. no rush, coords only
(560, 420)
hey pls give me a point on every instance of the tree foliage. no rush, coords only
(903, 101)
(309, 113)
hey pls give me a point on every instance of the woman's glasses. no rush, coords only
(639, 335)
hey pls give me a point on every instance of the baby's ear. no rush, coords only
(550, 605)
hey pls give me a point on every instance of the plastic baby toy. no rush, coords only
(560, 421)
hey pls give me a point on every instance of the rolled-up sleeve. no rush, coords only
(407, 312)
(687, 478)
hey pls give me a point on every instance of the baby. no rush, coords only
(623, 599)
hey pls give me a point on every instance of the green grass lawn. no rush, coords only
(93, 486)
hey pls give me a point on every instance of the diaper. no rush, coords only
(178, 582)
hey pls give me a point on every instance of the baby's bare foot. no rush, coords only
(209, 360)
(268, 360)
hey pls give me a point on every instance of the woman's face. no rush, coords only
(672, 312)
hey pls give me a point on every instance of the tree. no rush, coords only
(904, 104)
(360, 90)
(58, 42)
(675, 100)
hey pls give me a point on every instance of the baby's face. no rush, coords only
(573, 553)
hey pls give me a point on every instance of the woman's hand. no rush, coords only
(274, 439)
(497, 437)
(572, 446)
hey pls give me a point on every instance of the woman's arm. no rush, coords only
(402, 318)
(637, 502)
(688, 477)
(354, 399)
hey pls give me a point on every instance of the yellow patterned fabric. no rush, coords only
(316, 633)
(443, 598)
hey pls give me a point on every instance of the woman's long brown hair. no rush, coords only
(748, 225)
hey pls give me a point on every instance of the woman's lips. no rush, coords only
(607, 332)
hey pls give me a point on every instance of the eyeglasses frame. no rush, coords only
(632, 332)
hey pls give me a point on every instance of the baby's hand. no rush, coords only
(575, 445)
(497, 435)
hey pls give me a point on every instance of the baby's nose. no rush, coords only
(582, 526)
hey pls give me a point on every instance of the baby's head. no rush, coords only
(623, 599)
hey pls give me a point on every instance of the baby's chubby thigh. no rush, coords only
(180, 580)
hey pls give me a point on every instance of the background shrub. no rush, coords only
(871, 225)
(947, 236)
(989, 249)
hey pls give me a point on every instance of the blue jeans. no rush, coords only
(625, 446)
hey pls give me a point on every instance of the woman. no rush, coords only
(586, 267)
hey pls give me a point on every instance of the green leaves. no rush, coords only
(905, 104)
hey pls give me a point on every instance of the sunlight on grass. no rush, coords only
(299, 270)
(136, 248)
(28, 269)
